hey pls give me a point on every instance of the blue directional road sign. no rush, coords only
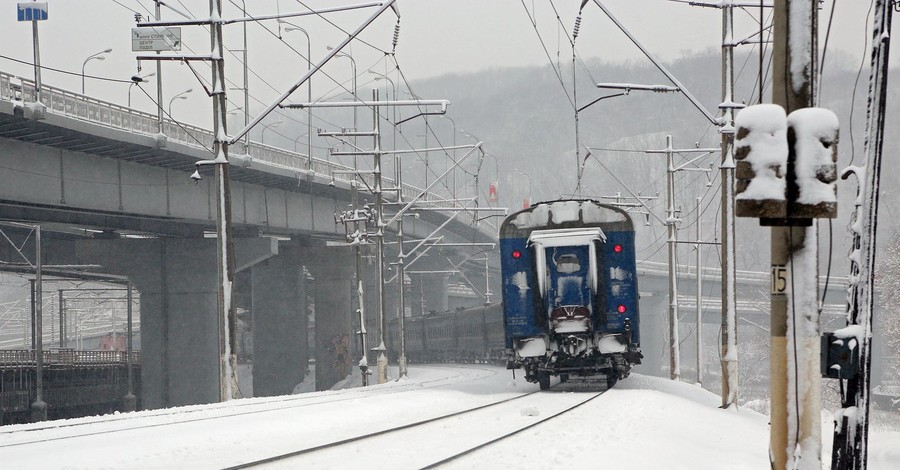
(33, 11)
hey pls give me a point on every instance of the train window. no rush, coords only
(567, 264)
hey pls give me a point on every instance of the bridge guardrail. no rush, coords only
(78, 106)
(70, 357)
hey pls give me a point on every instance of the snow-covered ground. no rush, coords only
(643, 423)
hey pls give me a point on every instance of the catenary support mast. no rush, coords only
(729, 292)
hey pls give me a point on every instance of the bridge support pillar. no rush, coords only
(280, 343)
(332, 269)
(654, 307)
(179, 322)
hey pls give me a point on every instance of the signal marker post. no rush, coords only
(786, 154)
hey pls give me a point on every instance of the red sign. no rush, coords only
(526, 203)
(492, 192)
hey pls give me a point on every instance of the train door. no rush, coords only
(567, 277)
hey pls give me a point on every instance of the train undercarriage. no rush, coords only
(596, 359)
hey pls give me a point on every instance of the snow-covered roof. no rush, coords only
(566, 237)
(571, 212)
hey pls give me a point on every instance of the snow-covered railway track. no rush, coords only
(23, 435)
(454, 435)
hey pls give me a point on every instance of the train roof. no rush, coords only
(574, 213)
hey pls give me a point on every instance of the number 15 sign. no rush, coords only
(780, 279)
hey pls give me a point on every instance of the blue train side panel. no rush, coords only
(620, 275)
(519, 302)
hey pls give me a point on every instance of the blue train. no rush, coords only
(570, 293)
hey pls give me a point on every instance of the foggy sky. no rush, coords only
(436, 37)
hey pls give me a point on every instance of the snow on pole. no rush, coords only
(729, 361)
(795, 439)
(851, 422)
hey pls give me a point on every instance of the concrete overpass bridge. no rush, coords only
(108, 189)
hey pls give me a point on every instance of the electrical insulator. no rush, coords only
(812, 138)
(577, 27)
(396, 34)
(761, 154)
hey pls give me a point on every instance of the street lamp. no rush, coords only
(308, 95)
(180, 96)
(353, 70)
(97, 56)
(381, 76)
(296, 140)
(397, 167)
(262, 137)
(454, 152)
(525, 206)
(135, 79)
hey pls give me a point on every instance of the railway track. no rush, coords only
(455, 434)
(23, 435)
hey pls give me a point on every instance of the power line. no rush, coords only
(44, 67)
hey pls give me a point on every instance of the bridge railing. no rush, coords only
(86, 108)
(69, 357)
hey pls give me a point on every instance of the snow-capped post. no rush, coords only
(786, 178)
(851, 432)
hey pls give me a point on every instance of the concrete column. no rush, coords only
(654, 307)
(179, 323)
(280, 346)
(333, 270)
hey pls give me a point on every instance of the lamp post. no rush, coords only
(98, 56)
(525, 206)
(297, 140)
(246, 81)
(135, 79)
(353, 90)
(454, 151)
(308, 96)
(397, 168)
(496, 164)
(180, 96)
(262, 137)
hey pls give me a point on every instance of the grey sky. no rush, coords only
(436, 37)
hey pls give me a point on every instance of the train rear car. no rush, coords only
(570, 294)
